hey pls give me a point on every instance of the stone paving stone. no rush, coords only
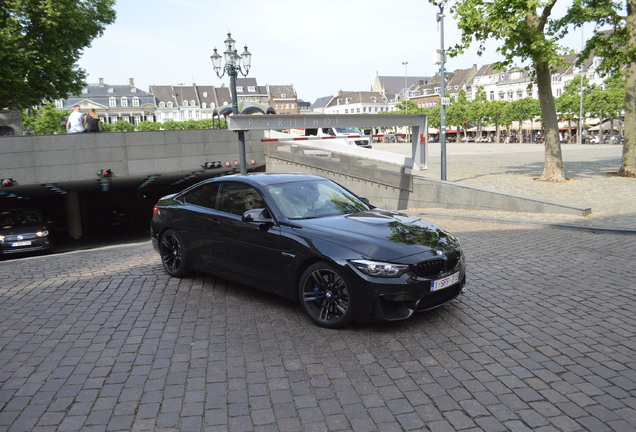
(103, 340)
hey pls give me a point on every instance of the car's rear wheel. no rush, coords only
(325, 296)
(173, 254)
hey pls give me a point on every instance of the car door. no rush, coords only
(248, 252)
(199, 206)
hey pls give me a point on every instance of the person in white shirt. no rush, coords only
(76, 121)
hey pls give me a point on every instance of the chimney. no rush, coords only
(101, 82)
(131, 81)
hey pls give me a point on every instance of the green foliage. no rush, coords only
(106, 127)
(406, 106)
(40, 44)
(458, 112)
(608, 103)
(123, 126)
(523, 30)
(45, 120)
(523, 109)
(148, 126)
(569, 103)
(172, 125)
(434, 116)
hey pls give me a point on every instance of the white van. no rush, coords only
(351, 135)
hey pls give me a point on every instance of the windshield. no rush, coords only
(26, 217)
(348, 130)
(311, 199)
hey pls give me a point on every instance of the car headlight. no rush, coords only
(1, 238)
(42, 233)
(380, 269)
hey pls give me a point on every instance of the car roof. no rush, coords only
(270, 178)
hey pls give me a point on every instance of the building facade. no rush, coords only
(114, 102)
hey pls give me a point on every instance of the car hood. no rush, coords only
(380, 234)
(21, 229)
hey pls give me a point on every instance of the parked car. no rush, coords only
(309, 239)
(23, 231)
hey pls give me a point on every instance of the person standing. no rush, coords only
(76, 121)
(92, 121)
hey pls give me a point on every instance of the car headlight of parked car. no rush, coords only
(42, 233)
(380, 269)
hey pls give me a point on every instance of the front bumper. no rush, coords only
(386, 299)
(8, 247)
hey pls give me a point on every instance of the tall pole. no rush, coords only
(442, 74)
(234, 63)
(233, 72)
(406, 85)
(581, 113)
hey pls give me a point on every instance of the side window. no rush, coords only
(204, 196)
(237, 198)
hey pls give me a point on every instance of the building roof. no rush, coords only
(100, 93)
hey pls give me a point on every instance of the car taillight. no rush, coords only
(155, 210)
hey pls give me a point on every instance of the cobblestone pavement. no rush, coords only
(544, 340)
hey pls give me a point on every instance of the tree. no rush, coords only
(477, 109)
(569, 103)
(458, 112)
(44, 121)
(406, 106)
(40, 44)
(521, 110)
(606, 103)
(496, 112)
(617, 47)
(528, 33)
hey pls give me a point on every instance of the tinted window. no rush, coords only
(310, 199)
(237, 198)
(204, 196)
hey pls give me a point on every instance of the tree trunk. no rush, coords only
(628, 163)
(553, 166)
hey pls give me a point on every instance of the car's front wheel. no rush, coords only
(173, 254)
(325, 296)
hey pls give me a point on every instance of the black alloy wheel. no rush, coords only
(325, 296)
(173, 254)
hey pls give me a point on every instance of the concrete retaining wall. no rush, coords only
(77, 157)
(396, 190)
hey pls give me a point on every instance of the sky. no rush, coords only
(320, 47)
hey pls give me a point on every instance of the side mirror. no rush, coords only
(257, 215)
(366, 201)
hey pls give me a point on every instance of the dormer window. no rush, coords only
(205, 94)
(135, 101)
(251, 89)
(239, 89)
(374, 99)
(185, 103)
(348, 100)
(112, 102)
(283, 95)
(339, 101)
(192, 103)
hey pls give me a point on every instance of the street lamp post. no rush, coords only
(442, 73)
(406, 75)
(234, 64)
